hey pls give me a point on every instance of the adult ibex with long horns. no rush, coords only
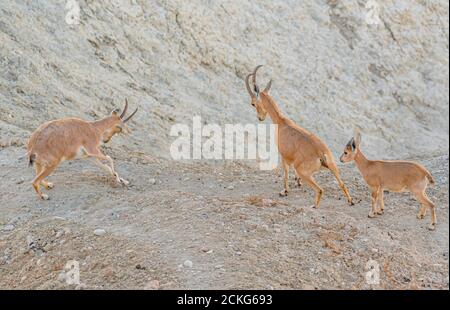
(297, 146)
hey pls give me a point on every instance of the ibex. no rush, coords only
(71, 138)
(297, 146)
(395, 176)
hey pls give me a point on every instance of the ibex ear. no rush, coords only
(357, 138)
(351, 144)
(115, 112)
(256, 88)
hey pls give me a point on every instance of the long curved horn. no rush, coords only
(248, 86)
(124, 109)
(254, 74)
(129, 117)
(269, 85)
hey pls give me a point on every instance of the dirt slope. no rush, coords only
(243, 236)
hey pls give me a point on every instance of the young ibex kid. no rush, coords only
(395, 176)
(71, 138)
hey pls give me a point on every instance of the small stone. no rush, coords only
(231, 187)
(140, 267)
(81, 286)
(99, 232)
(30, 241)
(210, 252)
(152, 181)
(187, 263)
(8, 227)
(20, 181)
(62, 276)
(152, 285)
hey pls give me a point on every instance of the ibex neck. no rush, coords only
(273, 109)
(361, 161)
(103, 124)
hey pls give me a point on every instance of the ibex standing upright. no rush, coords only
(71, 138)
(396, 176)
(297, 147)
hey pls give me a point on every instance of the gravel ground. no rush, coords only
(210, 226)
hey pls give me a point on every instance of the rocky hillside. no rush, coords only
(333, 67)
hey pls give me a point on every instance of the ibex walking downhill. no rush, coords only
(297, 147)
(71, 138)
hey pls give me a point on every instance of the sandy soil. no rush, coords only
(226, 219)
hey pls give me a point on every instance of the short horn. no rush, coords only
(248, 86)
(124, 109)
(129, 117)
(269, 85)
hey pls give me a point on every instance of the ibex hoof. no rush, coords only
(45, 197)
(351, 203)
(380, 212)
(372, 215)
(49, 185)
(432, 226)
(283, 193)
(420, 216)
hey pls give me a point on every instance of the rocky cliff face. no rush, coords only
(335, 64)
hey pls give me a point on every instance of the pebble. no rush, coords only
(152, 181)
(231, 187)
(30, 241)
(187, 263)
(62, 276)
(99, 232)
(8, 227)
